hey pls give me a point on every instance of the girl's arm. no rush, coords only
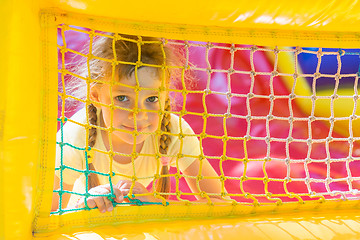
(212, 185)
(65, 197)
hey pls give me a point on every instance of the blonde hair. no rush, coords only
(126, 49)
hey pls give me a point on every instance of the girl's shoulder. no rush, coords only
(178, 124)
(75, 127)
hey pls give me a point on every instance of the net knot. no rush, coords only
(298, 50)
(181, 135)
(250, 95)
(311, 118)
(90, 156)
(292, 96)
(243, 178)
(337, 76)
(63, 49)
(203, 194)
(269, 117)
(328, 180)
(317, 75)
(267, 159)
(274, 73)
(182, 113)
(224, 158)
(253, 48)
(138, 64)
(276, 50)
(135, 133)
(227, 115)
(341, 52)
(231, 70)
(134, 155)
(209, 45)
(319, 53)
(203, 135)
(334, 96)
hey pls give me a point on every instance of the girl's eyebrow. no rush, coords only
(131, 90)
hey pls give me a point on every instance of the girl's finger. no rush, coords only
(118, 195)
(108, 205)
(124, 191)
(99, 201)
(124, 184)
(90, 202)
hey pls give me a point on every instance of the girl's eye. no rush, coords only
(152, 99)
(121, 98)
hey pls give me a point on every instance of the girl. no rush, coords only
(128, 124)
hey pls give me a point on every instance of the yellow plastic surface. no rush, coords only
(274, 23)
(299, 226)
(28, 98)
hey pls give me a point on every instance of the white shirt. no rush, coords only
(143, 167)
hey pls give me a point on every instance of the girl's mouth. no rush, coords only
(139, 129)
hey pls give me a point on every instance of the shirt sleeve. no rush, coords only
(69, 153)
(184, 144)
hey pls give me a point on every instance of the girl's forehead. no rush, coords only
(146, 77)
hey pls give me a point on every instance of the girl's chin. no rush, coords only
(130, 139)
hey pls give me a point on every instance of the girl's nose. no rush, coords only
(139, 112)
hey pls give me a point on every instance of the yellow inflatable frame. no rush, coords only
(28, 96)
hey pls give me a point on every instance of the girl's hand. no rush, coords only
(125, 185)
(102, 203)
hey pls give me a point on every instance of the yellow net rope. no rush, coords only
(244, 177)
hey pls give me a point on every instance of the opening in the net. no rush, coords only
(145, 120)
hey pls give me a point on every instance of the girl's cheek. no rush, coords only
(155, 119)
(119, 113)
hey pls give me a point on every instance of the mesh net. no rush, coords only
(276, 124)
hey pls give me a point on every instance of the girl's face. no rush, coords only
(126, 97)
